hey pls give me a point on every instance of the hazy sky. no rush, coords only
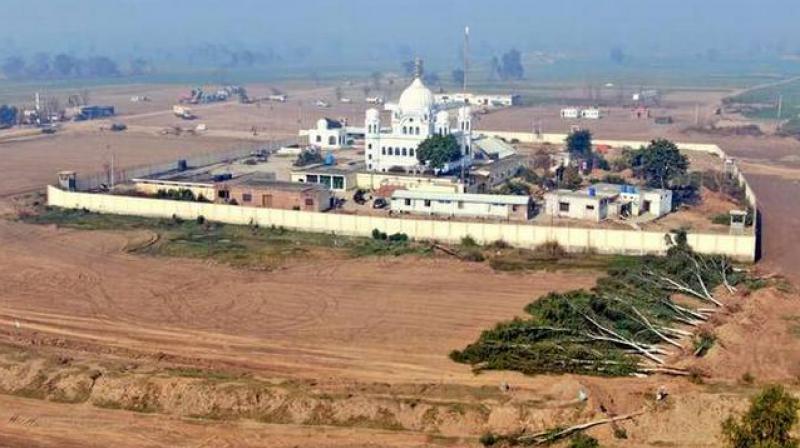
(360, 31)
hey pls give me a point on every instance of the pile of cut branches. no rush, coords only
(628, 323)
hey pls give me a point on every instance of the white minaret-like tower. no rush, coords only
(442, 123)
(372, 131)
(465, 126)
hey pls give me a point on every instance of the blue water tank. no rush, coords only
(329, 159)
(592, 192)
(182, 165)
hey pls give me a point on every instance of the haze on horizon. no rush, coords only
(367, 33)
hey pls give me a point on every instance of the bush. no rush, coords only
(488, 439)
(378, 235)
(551, 249)
(767, 423)
(398, 237)
(581, 440)
(201, 219)
(722, 219)
(468, 241)
(473, 255)
(703, 342)
(614, 179)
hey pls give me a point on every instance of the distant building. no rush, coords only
(601, 201)
(517, 208)
(329, 134)
(570, 113)
(591, 113)
(473, 99)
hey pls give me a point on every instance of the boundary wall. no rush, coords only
(740, 246)
(574, 239)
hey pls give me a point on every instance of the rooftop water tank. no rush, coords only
(592, 192)
(330, 160)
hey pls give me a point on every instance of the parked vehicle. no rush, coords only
(380, 203)
(358, 197)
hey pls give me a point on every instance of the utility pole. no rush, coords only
(466, 57)
(780, 106)
(697, 115)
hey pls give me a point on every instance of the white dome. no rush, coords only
(416, 97)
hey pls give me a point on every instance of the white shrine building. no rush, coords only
(414, 118)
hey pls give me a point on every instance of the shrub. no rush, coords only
(620, 433)
(551, 249)
(398, 237)
(614, 179)
(468, 241)
(581, 440)
(473, 255)
(722, 219)
(767, 423)
(488, 439)
(378, 235)
(498, 244)
(703, 342)
(201, 219)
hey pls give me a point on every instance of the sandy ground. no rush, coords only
(374, 331)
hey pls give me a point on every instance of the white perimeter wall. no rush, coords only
(740, 247)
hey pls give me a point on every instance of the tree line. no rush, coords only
(60, 66)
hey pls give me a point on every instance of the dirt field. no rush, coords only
(99, 347)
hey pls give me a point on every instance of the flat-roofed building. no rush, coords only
(254, 192)
(602, 200)
(576, 205)
(506, 207)
(334, 177)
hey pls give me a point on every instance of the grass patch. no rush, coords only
(236, 245)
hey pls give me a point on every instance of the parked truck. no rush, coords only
(183, 112)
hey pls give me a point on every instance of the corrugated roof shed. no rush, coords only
(494, 147)
(466, 197)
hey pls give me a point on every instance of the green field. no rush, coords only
(767, 101)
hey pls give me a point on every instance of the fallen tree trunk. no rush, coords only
(549, 436)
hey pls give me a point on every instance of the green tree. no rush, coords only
(437, 150)
(571, 178)
(579, 143)
(660, 164)
(767, 423)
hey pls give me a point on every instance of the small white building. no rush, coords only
(329, 134)
(570, 113)
(422, 202)
(488, 100)
(591, 113)
(601, 201)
